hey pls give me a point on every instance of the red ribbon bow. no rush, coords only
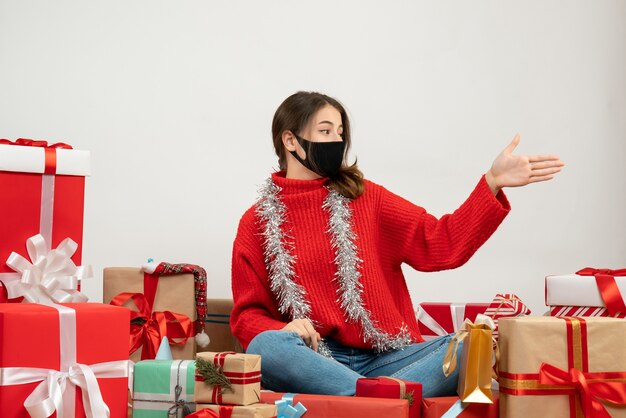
(591, 388)
(148, 328)
(50, 151)
(605, 279)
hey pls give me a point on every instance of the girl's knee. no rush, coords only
(267, 342)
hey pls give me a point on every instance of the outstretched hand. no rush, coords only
(510, 170)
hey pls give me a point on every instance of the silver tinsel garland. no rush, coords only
(291, 296)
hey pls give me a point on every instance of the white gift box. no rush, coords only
(577, 290)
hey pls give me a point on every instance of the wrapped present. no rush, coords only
(505, 305)
(217, 327)
(390, 387)
(562, 367)
(257, 410)
(322, 406)
(589, 287)
(451, 406)
(438, 319)
(475, 369)
(43, 190)
(163, 385)
(228, 378)
(584, 311)
(174, 295)
(83, 369)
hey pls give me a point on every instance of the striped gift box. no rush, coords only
(155, 392)
(505, 305)
(583, 311)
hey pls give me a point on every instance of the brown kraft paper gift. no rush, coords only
(242, 372)
(562, 367)
(174, 293)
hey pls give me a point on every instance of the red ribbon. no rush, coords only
(590, 391)
(204, 413)
(605, 279)
(154, 325)
(50, 151)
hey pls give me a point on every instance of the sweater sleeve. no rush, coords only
(254, 309)
(430, 244)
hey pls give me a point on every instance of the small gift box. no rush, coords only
(167, 297)
(258, 410)
(390, 387)
(43, 188)
(83, 370)
(228, 378)
(475, 369)
(562, 367)
(322, 406)
(589, 288)
(451, 406)
(505, 305)
(438, 319)
(163, 385)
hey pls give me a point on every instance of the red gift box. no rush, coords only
(39, 342)
(323, 406)
(438, 319)
(390, 387)
(42, 192)
(437, 407)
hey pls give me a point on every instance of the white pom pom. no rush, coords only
(202, 339)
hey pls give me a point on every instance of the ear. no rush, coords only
(289, 140)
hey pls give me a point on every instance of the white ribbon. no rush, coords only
(48, 395)
(49, 276)
(57, 388)
(457, 311)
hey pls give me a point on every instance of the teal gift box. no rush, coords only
(163, 388)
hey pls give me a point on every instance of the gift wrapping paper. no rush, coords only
(155, 392)
(452, 406)
(584, 311)
(243, 371)
(323, 406)
(39, 342)
(42, 192)
(505, 305)
(390, 387)
(438, 319)
(562, 367)
(589, 287)
(173, 293)
(257, 410)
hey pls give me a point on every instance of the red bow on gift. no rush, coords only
(605, 279)
(590, 386)
(148, 328)
(204, 413)
(34, 143)
(50, 151)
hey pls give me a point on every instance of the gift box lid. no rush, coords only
(32, 159)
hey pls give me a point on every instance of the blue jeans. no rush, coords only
(288, 365)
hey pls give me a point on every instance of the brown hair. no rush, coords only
(293, 114)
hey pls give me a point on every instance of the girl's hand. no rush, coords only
(305, 330)
(510, 170)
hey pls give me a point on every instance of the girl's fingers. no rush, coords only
(544, 172)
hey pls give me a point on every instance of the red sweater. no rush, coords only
(390, 231)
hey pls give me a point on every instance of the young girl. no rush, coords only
(317, 285)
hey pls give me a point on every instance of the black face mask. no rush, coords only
(323, 158)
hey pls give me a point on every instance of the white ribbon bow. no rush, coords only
(48, 395)
(50, 276)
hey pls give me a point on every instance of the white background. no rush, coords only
(175, 99)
